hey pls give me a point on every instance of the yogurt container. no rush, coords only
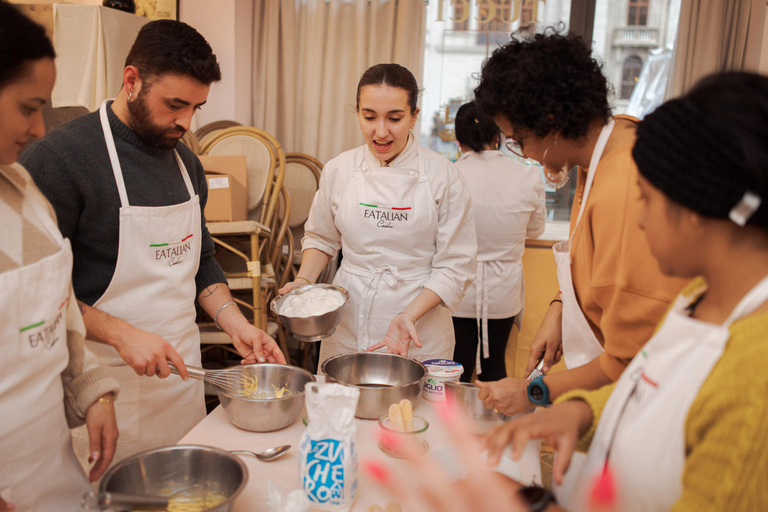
(439, 371)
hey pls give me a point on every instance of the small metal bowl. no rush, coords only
(179, 472)
(310, 328)
(464, 395)
(383, 379)
(268, 414)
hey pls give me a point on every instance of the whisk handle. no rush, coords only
(194, 371)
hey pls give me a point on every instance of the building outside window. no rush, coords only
(461, 34)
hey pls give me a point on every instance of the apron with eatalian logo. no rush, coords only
(388, 223)
(153, 288)
(39, 470)
(641, 434)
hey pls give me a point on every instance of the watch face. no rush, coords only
(537, 394)
(536, 497)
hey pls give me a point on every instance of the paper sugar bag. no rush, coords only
(327, 454)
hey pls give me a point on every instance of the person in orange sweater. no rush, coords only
(686, 425)
(549, 97)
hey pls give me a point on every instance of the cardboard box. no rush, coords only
(227, 188)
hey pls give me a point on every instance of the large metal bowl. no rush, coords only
(464, 395)
(179, 472)
(383, 379)
(268, 414)
(310, 328)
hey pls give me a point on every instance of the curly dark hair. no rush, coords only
(169, 46)
(548, 82)
(473, 128)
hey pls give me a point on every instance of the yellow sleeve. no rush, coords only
(596, 400)
(726, 431)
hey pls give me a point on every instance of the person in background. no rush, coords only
(402, 215)
(685, 428)
(50, 381)
(508, 204)
(131, 199)
(550, 98)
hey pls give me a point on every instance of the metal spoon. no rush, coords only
(266, 455)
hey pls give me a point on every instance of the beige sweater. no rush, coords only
(23, 241)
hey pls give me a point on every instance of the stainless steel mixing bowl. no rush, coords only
(268, 414)
(181, 471)
(310, 328)
(464, 395)
(383, 379)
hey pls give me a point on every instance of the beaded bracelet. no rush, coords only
(304, 278)
(407, 313)
(104, 400)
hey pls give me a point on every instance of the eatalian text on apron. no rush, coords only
(642, 428)
(153, 288)
(392, 211)
(39, 470)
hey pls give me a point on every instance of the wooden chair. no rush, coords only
(205, 133)
(245, 248)
(190, 140)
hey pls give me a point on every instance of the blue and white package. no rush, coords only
(327, 454)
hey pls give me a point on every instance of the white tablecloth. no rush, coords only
(91, 45)
(216, 430)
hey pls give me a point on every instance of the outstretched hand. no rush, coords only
(400, 334)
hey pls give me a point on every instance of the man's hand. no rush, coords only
(255, 345)
(509, 395)
(148, 354)
(548, 341)
(102, 435)
(400, 334)
(560, 425)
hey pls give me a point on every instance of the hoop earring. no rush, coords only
(556, 180)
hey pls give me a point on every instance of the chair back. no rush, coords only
(206, 133)
(190, 140)
(264, 162)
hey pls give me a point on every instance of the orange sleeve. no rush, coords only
(617, 280)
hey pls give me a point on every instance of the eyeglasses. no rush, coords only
(515, 147)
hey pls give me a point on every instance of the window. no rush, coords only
(526, 12)
(498, 13)
(630, 73)
(460, 15)
(638, 13)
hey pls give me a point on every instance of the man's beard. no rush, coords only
(151, 134)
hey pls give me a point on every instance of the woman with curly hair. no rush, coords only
(550, 98)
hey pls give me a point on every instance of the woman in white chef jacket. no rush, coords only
(50, 382)
(402, 215)
(686, 426)
(509, 206)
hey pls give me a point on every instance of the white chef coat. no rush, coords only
(379, 271)
(509, 206)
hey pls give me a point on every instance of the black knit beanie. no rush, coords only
(684, 152)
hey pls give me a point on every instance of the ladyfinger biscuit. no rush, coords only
(406, 408)
(396, 418)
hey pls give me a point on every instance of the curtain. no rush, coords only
(309, 56)
(716, 35)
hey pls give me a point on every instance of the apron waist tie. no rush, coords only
(391, 276)
(481, 313)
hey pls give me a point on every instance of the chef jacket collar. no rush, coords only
(408, 159)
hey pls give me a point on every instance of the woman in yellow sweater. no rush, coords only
(685, 428)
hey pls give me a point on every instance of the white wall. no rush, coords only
(227, 26)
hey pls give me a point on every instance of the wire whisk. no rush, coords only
(233, 381)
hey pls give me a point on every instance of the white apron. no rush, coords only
(393, 210)
(153, 288)
(580, 344)
(651, 402)
(481, 310)
(39, 470)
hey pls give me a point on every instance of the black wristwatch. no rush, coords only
(537, 498)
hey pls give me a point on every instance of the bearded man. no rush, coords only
(131, 200)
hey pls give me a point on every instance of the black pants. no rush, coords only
(494, 368)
